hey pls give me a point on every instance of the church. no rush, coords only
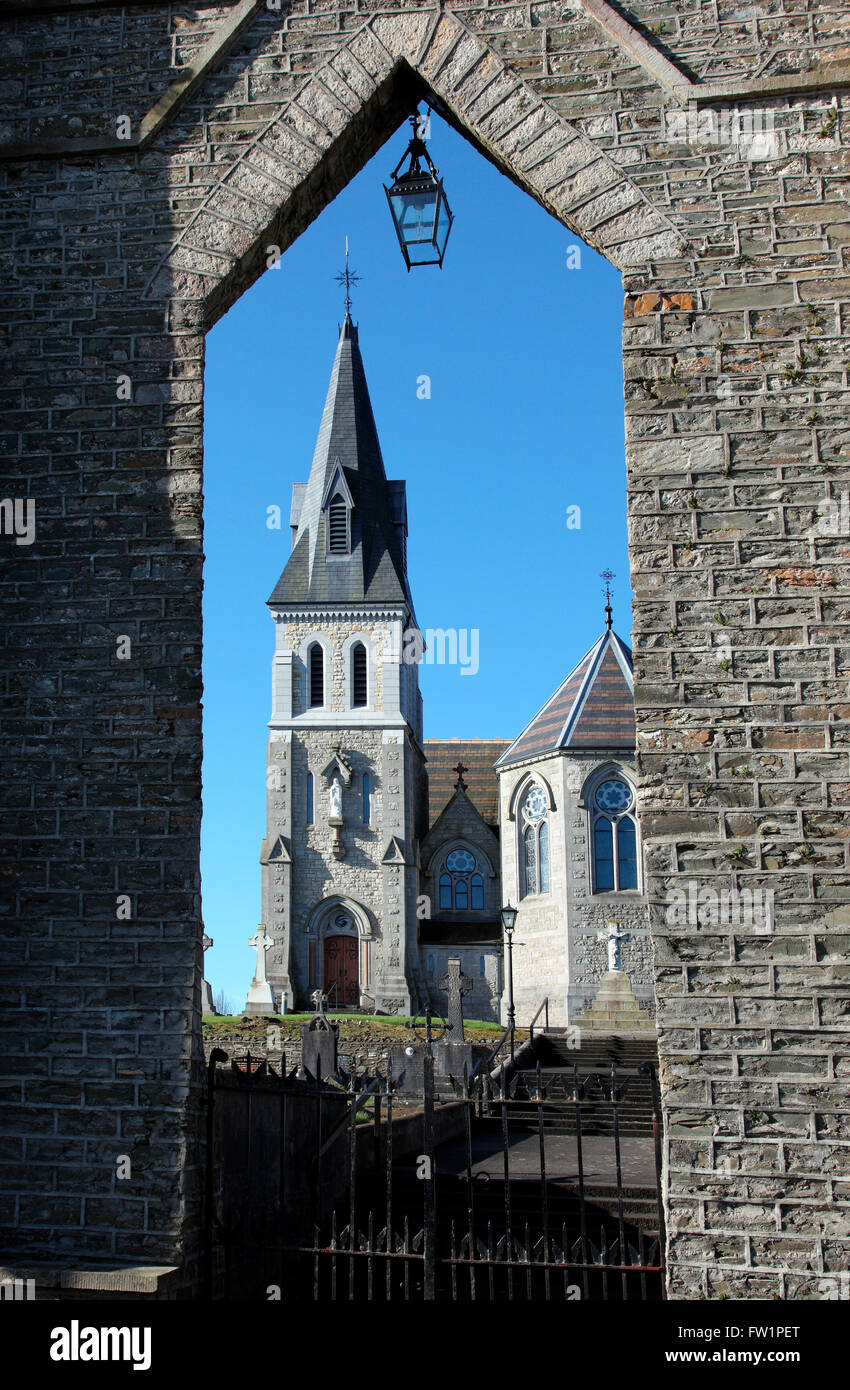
(386, 854)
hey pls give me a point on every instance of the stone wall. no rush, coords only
(122, 252)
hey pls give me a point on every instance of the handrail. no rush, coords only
(544, 1005)
(486, 1062)
(500, 1044)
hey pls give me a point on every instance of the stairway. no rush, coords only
(559, 1063)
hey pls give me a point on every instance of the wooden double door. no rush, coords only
(341, 967)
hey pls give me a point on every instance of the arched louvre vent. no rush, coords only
(359, 679)
(338, 526)
(317, 676)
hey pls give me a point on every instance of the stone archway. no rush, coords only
(388, 64)
(332, 924)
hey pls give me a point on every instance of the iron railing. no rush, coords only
(510, 1189)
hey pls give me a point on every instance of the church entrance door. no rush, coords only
(341, 969)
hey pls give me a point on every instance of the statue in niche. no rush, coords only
(335, 795)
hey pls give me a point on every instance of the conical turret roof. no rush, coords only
(593, 708)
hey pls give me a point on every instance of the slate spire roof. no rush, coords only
(593, 708)
(347, 459)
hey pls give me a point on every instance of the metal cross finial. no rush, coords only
(460, 769)
(606, 576)
(430, 1036)
(347, 278)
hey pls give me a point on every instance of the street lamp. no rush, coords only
(509, 916)
(418, 205)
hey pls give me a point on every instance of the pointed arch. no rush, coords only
(521, 788)
(345, 110)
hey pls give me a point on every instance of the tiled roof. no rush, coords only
(374, 571)
(594, 708)
(482, 785)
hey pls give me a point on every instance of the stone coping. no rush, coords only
(154, 1280)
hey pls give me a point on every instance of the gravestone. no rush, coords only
(319, 1040)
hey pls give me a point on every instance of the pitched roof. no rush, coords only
(374, 571)
(594, 708)
(478, 755)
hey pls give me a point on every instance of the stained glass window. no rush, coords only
(604, 849)
(614, 835)
(460, 887)
(445, 893)
(534, 868)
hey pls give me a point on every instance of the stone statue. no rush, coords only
(336, 800)
(612, 936)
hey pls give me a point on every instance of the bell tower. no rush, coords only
(345, 767)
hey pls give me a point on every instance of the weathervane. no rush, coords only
(347, 278)
(607, 576)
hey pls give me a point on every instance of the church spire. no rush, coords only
(349, 523)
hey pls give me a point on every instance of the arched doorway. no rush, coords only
(340, 970)
(340, 935)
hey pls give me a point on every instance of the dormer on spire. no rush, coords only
(337, 505)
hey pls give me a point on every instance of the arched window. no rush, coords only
(367, 798)
(614, 838)
(534, 842)
(445, 892)
(359, 676)
(316, 670)
(338, 525)
(309, 798)
(461, 885)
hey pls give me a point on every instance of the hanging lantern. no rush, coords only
(419, 207)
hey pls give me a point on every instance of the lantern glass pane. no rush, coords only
(414, 214)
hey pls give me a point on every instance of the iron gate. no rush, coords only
(524, 1186)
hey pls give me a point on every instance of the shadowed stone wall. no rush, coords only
(124, 243)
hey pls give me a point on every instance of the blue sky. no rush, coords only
(524, 420)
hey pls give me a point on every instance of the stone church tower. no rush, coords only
(345, 768)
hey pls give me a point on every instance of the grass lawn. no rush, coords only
(228, 1023)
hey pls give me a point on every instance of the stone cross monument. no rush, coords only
(456, 985)
(260, 998)
(207, 1005)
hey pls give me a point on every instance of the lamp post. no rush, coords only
(509, 916)
(418, 205)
